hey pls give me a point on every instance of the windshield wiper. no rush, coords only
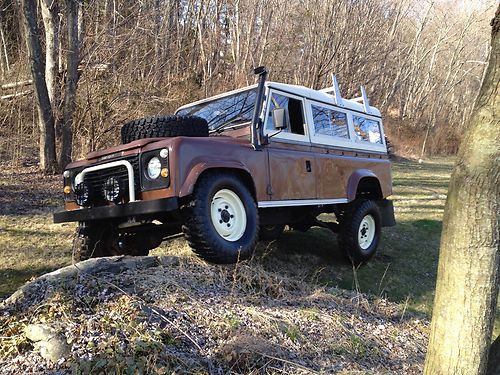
(221, 127)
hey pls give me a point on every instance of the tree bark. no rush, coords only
(50, 12)
(73, 59)
(467, 282)
(46, 119)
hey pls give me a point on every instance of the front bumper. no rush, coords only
(132, 209)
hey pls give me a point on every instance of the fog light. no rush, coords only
(67, 189)
(66, 174)
(164, 172)
(112, 190)
(82, 194)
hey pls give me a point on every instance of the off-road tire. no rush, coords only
(350, 219)
(93, 241)
(164, 126)
(199, 228)
(271, 232)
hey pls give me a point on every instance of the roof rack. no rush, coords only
(363, 99)
(335, 90)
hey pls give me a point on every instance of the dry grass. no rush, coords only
(292, 274)
(189, 317)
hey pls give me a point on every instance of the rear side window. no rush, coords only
(367, 130)
(329, 122)
(294, 112)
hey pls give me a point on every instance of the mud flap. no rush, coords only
(387, 213)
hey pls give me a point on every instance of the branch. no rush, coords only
(17, 94)
(16, 84)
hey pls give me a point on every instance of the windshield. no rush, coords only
(232, 109)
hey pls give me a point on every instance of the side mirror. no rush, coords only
(279, 119)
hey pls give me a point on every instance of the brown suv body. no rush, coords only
(293, 174)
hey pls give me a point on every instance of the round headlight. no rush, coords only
(154, 168)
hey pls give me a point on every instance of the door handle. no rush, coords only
(308, 166)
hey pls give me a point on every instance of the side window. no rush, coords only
(295, 115)
(366, 130)
(329, 122)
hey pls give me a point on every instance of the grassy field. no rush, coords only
(403, 271)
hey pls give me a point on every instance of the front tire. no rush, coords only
(221, 220)
(359, 230)
(94, 241)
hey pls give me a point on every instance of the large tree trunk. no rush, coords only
(46, 119)
(467, 282)
(73, 59)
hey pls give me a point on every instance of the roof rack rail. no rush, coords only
(363, 99)
(336, 91)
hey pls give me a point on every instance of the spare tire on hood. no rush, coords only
(164, 126)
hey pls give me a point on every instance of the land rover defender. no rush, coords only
(231, 169)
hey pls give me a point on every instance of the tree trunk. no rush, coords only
(50, 13)
(73, 60)
(467, 282)
(46, 120)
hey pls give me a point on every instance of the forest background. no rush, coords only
(421, 62)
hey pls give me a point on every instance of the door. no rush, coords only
(291, 168)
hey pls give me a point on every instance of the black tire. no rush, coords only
(200, 230)
(164, 126)
(94, 241)
(351, 218)
(271, 232)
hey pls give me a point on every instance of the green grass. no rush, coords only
(403, 271)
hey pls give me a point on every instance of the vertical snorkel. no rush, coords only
(257, 131)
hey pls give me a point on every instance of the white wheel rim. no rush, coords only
(366, 232)
(228, 215)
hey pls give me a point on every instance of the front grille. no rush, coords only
(96, 180)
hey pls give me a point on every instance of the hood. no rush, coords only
(121, 150)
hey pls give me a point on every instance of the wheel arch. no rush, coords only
(200, 169)
(364, 182)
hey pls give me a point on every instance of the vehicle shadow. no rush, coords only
(403, 270)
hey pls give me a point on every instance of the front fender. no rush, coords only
(187, 186)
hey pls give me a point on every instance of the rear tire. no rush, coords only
(164, 126)
(359, 230)
(221, 220)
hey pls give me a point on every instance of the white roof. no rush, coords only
(322, 97)
(302, 91)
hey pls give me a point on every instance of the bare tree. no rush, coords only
(46, 120)
(72, 61)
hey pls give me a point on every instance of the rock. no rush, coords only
(41, 288)
(52, 344)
